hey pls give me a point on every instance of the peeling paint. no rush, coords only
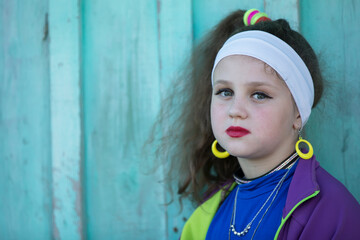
(56, 204)
(46, 28)
(158, 6)
(55, 232)
(76, 186)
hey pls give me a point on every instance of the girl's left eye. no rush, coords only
(260, 96)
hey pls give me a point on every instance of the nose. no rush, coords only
(238, 109)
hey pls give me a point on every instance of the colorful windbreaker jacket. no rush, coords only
(317, 207)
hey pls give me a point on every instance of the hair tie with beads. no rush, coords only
(254, 16)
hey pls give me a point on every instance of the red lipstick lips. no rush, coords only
(237, 132)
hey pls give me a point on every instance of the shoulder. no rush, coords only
(332, 214)
(334, 193)
(310, 177)
(197, 225)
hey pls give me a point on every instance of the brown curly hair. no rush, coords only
(187, 151)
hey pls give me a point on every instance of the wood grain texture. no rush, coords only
(25, 150)
(206, 14)
(175, 38)
(121, 98)
(334, 125)
(287, 9)
(81, 83)
(66, 132)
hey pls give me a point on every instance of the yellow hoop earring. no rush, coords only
(217, 153)
(301, 154)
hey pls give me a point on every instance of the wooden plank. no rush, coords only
(175, 45)
(25, 172)
(287, 9)
(333, 128)
(207, 14)
(121, 99)
(65, 100)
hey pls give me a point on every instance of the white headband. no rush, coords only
(278, 55)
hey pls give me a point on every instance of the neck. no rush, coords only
(256, 167)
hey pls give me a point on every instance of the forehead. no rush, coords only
(247, 68)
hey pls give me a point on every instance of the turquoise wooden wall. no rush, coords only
(80, 86)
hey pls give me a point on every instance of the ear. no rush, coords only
(297, 122)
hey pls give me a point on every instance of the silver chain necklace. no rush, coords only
(248, 226)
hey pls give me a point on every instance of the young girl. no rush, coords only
(252, 85)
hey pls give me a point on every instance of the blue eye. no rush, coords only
(260, 96)
(225, 92)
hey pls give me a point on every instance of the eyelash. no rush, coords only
(220, 91)
(262, 94)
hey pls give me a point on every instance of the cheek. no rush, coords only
(273, 121)
(217, 115)
(264, 120)
(213, 115)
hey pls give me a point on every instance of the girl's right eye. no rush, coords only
(224, 92)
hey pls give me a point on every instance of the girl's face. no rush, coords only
(253, 114)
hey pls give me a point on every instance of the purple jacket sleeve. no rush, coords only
(333, 214)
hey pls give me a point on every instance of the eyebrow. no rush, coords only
(257, 84)
(221, 81)
(252, 84)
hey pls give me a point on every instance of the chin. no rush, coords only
(240, 154)
(246, 153)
